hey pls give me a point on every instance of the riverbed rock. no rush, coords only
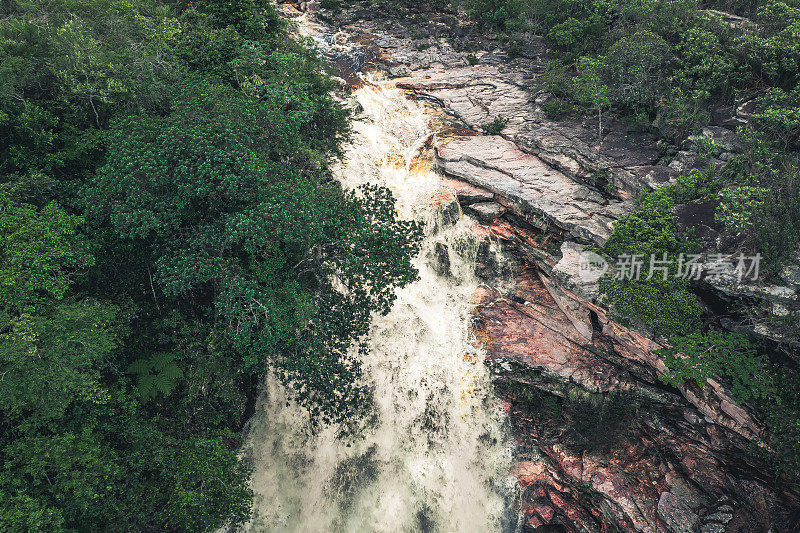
(441, 259)
(678, 516)
(725, 138)
(573, 271)
(485, 210)
(466, 193)
(476, 95)
(530, 186)
(669, 464)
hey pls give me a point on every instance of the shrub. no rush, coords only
(766, 184)
(681, 112)
(492, 13)
(557, 79)
(705, 64)
(781, 417)
(557, 108)
(699, 356)
(666, 305)
(779, 114)
(568, 33)
(772, 51)
(495, 127)
(739, 207)
(773, 390)
(706, 147)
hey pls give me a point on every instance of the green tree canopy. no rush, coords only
(169, 229)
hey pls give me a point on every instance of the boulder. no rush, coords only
(675, 512)
(485, 210)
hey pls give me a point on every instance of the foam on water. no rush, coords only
(434, 455)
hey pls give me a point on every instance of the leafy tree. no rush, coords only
(590, 89)
(40, 253)
(48, 360)
(215, 33)
(772, 48)
(21, 512)
(195, 139)
(230, 224)
(635, 68)
(699, 356)
(73, 469)
(66, 66)
(208, 484)
(765, 186)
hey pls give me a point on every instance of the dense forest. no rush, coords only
(169, 231)
(666, 67)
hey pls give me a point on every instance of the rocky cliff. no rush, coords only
(603, 445)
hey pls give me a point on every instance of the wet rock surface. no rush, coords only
(642, 456)
(485, 210)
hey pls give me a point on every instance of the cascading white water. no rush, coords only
(434, 455)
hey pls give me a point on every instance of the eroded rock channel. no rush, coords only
(595, 442)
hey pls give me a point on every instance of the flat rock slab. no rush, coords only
(497, 165)
(476, 95)
(466, 193)
(486, 210)
(539, 335)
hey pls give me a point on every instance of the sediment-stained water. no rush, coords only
(434, 455)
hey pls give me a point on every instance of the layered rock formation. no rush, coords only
(603, 444)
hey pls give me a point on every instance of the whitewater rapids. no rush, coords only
(435, 454)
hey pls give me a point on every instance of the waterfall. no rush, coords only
(435, 454)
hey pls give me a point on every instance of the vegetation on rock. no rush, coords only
(669, 67)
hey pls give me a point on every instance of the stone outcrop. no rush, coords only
(530, 188)
(668, 465)
(622, 160)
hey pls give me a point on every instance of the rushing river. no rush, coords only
(435, 454)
